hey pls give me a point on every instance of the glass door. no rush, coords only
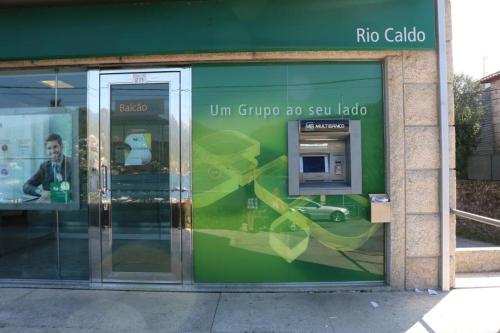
(140, 177)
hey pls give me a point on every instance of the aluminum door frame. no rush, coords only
(107, 81)
(96, 139)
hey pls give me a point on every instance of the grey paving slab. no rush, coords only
(26, 330)
(96, 311)
(51, 330)
(466, 310)
(396, 311)
(460, 311)
(51, 308)
(11, 329)
(9, 295)
(266, 312)
(162, 312)
(109, 311)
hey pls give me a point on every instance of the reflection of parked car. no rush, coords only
(316, 211)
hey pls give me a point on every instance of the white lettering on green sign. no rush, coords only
(268, 111)
(366, 35)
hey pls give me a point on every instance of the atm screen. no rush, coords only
(314, 164)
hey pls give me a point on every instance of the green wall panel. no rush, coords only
(213, 26)
(246, 226)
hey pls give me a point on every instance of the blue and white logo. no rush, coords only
(309, 126)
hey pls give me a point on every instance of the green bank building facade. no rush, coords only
(241, 145)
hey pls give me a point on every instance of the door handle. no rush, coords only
(176, 215)
(175, 207)
(105, 191)
(104, 178)
(178, 189)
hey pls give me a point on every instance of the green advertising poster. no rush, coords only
(150, 28)
(247, 228)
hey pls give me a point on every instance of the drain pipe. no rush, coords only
(444, 276)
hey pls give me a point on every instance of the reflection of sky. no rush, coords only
(302, 92)
(26, 90)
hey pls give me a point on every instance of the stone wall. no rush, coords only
(422, 166)
(482, 198)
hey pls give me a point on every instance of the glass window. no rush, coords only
(24, 91)
(248, 228)
(43, 196)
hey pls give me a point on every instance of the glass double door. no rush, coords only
(142, 190)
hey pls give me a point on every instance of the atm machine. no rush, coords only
(324, 157)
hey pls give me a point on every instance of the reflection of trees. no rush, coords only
(468, 116)
(82, 137)
(82, 152)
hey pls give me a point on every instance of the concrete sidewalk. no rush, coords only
(56, 310)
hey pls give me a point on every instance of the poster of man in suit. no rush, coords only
(52, 181)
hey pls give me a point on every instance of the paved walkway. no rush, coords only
(465, 243)
(45, 310)
(475, 280)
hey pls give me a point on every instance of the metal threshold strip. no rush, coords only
(366, 286)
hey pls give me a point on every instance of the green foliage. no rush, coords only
(468, 117)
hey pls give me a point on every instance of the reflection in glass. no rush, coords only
(26, 90)
(36, 158)
(28, 245)
(322, 212)
(140, 178)
(247, 228)
(48, 244)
